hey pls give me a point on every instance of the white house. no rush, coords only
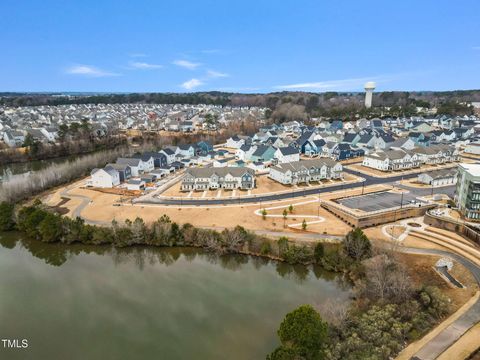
(215, 178)
(135, 165)
(235, 142)
(104, 178)
(437, 154)
(146, 164)
(392, 160)
(306, 171)
(473, 148)
(50, 133)
(169, 153)
(13, 138)
(286, 154)
(186, 150)
(439, 178)
(135, 185)
(245, 152)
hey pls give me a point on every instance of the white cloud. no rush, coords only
(186, 64)
(137, 55)
(90, 71)
(145, 66)
(338, 85)
(475, 47)
(191, 84)
(211, 51)
(216, 74)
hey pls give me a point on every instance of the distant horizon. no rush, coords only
(80, 93)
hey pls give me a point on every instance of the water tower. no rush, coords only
(369, 87)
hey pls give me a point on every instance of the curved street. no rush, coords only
(369, 180)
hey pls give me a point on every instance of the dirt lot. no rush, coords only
(101, 209)
(264, 185)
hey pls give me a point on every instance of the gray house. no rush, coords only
(218, 178)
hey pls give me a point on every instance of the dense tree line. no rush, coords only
(21, 187)
(41, 223)
(329, 104)
(36, 150)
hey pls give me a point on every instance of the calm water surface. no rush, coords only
(79, 302)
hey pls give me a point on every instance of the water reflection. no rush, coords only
(145, 302)
(141, 256)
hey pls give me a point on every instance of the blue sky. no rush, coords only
(240, 46)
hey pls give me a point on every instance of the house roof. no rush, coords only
(129, 161)
(223, 171)
(288, 150)
(168, 151)
(118, 167)
(304, 164)
(441, 174)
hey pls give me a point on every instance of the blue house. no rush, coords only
(345, 151)
(263, 153)
(312, 148)
(203, 148)
(159, 159)
(419, 138)
(336, 125)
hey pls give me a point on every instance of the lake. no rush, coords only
(22, 168)
(82, 302)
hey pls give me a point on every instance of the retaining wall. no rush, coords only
(375, 218)
(452, 225)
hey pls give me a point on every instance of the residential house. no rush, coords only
(439, 177)
(186, 150)
(392, 160)
(13, 138)
(124, 170)
(437, 154)
(159, 158)
(169, 154)
(473, 148)
(245, 152)
(236, 142)
(135, 185)
(263, 153)
(287, 154)
(218, 178)
(306, 171)
(147, 164)
(135, 164)
(203, 148)
(345, 151)
(107, 177)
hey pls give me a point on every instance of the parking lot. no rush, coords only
(377, 201)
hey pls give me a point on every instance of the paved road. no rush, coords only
(447, 337)
(369, 180)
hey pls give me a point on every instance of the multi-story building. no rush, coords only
(306, 171)
(401, 159)
(467, 194)
(391, 160)
(218, 178)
